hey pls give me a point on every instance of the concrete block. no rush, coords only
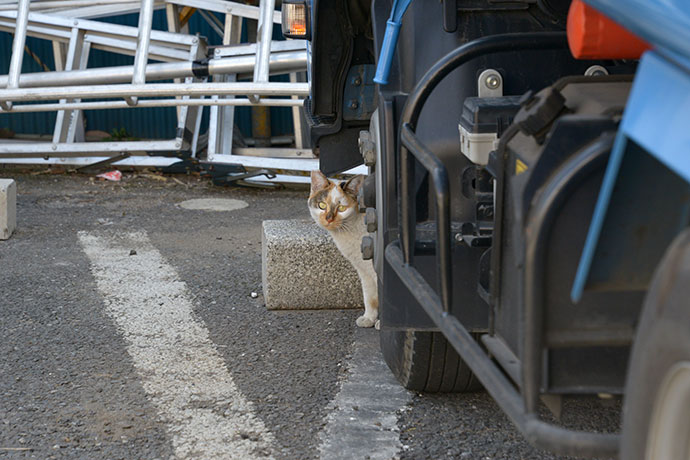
(302, 268)
(8, 208)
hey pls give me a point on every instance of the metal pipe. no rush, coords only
(439, 178)
(143, 41)
(279, 63)
(45, 5)
(223, 6)
(282, 62)
(540, 434)
(140, 161)
(17, 49)
(495, 382)
(155, 90)
(407, 207)
(264, 34)
(100, 105)
(76, 149)
(98, 28)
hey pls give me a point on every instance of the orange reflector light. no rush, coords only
(295, 20)
(591, 35)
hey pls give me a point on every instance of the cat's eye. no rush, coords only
(342, 208)
(322, 205)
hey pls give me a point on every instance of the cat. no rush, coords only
(333, 206)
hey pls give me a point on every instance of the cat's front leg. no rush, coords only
(371, 299)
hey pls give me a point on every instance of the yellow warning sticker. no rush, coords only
(520, 167)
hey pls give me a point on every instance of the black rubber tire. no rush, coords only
(662, 340)
(426, 362)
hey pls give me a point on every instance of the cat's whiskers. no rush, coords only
(346, 225)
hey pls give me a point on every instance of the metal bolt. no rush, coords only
(178, 144)
(354, 104)
(217, 51)
(357, 81)
(369, 155)
(76, 23)
(367, 148)
(195, 40)
(367, 248)
(596, 71)
(492, 81)
(363, 137)
(54, 147)
(370, 220)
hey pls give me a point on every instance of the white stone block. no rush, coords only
(8, 208)
(302, 269)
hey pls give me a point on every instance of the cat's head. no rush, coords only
(333, 205)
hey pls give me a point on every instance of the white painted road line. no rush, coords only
(182, 372)
(364, 423)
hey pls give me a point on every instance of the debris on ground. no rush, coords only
(158, 177)
(113, 176)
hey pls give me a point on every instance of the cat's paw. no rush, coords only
(377, 325)
(364, 321)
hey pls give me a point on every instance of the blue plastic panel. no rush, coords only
(657, 117)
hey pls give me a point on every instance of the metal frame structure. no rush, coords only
(73, 87)
(518, 398)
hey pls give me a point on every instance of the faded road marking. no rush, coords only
(364, 421)
(213, 204)
(182, 372)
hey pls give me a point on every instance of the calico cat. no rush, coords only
(334, 207)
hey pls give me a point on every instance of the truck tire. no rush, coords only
(656, 415)
(427, 362)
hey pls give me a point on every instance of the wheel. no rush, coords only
(426, 361)
(656, 410)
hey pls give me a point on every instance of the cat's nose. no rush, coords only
(330, 217)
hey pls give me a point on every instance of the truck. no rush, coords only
(528, 199)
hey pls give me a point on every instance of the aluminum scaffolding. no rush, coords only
(201, 78)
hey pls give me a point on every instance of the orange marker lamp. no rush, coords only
(295, 19)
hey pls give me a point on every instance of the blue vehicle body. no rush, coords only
(656, 117)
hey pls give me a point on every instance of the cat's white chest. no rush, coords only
(349, 244)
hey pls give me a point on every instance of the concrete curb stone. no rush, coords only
(8, 208)
(302, 268)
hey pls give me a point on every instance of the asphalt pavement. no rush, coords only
(132, 327)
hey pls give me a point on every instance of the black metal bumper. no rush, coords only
(436, 303)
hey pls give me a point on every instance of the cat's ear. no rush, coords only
(353, 185)
(318, 181)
